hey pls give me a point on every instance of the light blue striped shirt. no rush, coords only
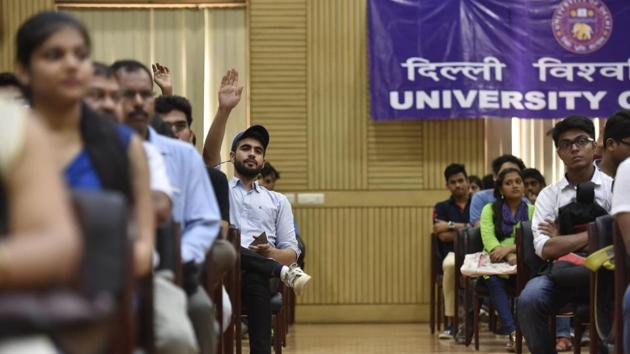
(260, 210)
(194, 202)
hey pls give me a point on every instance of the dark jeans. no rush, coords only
(497, 287)
(540, 300)
(257, 270)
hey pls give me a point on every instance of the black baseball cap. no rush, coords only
(257, 132)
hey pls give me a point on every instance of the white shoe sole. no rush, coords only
(300, 283)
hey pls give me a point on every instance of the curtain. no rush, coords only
(197, 45)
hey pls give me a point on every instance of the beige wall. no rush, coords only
(368, 243)
(13, 13)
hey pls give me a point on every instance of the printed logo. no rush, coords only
(582, 26)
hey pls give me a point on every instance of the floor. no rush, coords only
(378, 338)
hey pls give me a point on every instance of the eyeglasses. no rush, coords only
(177, 127)
(580, 142)
(131, 94)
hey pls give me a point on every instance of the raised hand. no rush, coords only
(162, 78)
(230, 92)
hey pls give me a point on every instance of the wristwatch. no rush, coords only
(451, 225)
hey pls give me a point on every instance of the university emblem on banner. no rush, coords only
(582, 26)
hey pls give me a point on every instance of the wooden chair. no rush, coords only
(622, 264)
(459, 245)
(527, 265)
(463, 286)
(232, 336)
(96, 316)
(437, 295)
(600, 234)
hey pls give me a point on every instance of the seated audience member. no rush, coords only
(93, 154)
(174, 332)
(450, 216)
(499, 221)
(259, 260)
(475, 184)
(534, 183)
(11, 88)
(104, 97)
(176, 112)
(621, 212)
(616, 143)
(194, 205)
(575, 144)
(480, 199)
(39, 242)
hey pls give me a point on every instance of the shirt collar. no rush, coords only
(596, 179)
(236, 181)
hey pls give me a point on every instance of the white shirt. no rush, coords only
(621, 192)
(158, 179)
(561, 193)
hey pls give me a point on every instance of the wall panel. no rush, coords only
(278, 84)
(13, 13)
(368, 244)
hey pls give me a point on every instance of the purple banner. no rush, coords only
(432, 59)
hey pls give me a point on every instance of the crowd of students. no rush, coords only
(70, 124)
(520, 194)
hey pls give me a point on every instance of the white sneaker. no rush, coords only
(295, 278)
(446, 334)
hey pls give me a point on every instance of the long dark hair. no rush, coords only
(497, 206)
(100, 137)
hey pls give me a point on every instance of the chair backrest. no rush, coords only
(531, 261)
(106, 259)
(459, 248)
(166, 246)
(474, 242)
(436, 255)
(604, 226)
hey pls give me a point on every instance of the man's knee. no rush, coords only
(223, 255)
(533, 297)
(199, 304)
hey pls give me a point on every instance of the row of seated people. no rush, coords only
(559, 209)
(94, 127)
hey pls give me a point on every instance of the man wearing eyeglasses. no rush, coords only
(194, 205)
(616, 146)
(574, 138)
(176, 112)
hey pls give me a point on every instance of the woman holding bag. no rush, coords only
(499, 221)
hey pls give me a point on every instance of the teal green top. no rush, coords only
(488, 236)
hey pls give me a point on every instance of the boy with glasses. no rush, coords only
(574, 138)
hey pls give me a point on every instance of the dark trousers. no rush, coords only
(257, 270)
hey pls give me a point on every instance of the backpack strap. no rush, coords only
(585, 193)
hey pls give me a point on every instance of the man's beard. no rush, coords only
(246, 171)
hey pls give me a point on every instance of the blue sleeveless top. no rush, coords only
(81, 174)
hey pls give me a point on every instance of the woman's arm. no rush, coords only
(43, 246)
